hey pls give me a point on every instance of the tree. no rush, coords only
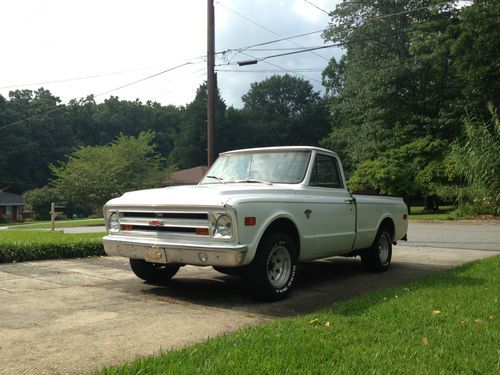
(37, 136)
(94, 174)
(405, 171)
(395, 82)
(286, 110)
(474, 165)
(39, 201)
(191, 142)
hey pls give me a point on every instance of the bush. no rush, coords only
(475, 164)
(25, 245)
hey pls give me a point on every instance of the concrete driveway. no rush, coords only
(73, 316)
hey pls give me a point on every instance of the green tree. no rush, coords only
(35, 135)
(285, 110)
(94, 174)
(409, 170)
(474, 165)
(191, 142)
(395, 82)
(39, 201)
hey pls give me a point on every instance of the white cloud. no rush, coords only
(45, 40)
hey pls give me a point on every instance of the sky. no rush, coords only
(97, 47)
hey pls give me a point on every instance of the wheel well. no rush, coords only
(285, 226)
(389, 224)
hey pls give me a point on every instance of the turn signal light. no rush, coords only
(250, 221)
(127, 227)
(202, 231)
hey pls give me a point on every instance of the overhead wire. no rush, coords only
(359, 40)
(265, 28)
(100, 94)
(317, 7)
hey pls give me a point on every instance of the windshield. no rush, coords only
(273, 167)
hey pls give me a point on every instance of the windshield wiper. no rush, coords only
(216, 178)
(251, 180)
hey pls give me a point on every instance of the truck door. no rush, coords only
(333, 211)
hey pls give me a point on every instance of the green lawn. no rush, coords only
(17, 245)
(447, 213)
(444, 324)
(58, 224)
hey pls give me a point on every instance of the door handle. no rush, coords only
(349, 201)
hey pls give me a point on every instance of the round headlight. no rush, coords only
(223, 225)
(114, 221)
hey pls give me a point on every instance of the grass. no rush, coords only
(58, 224)
(444, 324)
(17, 246)
(446, 213)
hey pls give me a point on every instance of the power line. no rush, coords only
(101, 94)
(268, 42)
(73, 79)
(303, 70)
(145, 78)
(317, 7)
(284, 69)
(265, 28)
(359, 40)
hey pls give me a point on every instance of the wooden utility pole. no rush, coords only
(210, 82)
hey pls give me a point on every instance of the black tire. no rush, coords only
(378, 257)
(153, 272)
(271, 274)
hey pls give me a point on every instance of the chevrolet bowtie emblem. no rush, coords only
(156, 223)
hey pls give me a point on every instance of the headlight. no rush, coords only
(114, 221)
(223, 225)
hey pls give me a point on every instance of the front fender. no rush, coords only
(266, 215)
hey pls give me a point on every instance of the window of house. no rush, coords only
(325, 172)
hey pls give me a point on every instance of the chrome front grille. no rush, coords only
(180, 223)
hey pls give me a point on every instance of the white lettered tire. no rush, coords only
(272, 272)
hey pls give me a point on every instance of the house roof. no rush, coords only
(9, 199)
(189, 176)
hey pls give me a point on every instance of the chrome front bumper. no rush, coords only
(194, 254)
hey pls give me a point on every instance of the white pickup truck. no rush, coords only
(256, 213)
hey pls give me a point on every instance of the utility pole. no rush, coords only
(210, 82)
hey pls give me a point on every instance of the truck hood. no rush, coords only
(213, 195)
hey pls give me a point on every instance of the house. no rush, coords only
(189, 176)
(11, 206)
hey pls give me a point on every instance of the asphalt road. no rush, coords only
(73, 316)
(482, 235)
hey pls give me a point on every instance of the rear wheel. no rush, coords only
(378, 256)
(272, 272)
(153, 272)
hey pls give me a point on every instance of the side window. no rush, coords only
(326, 172)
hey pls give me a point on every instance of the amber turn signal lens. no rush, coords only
(202, 231)
(250, 220)
(127, 227)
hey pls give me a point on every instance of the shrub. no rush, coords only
(24, 245)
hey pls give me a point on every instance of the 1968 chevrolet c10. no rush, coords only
(256, 213)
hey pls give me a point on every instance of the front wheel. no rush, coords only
(272, 272)
(378, 256)
(153, 272)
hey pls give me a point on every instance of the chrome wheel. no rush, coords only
(383, 249)
(279, 266)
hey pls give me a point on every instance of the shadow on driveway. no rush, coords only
(318, 285)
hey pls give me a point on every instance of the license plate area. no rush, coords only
(156, 255)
